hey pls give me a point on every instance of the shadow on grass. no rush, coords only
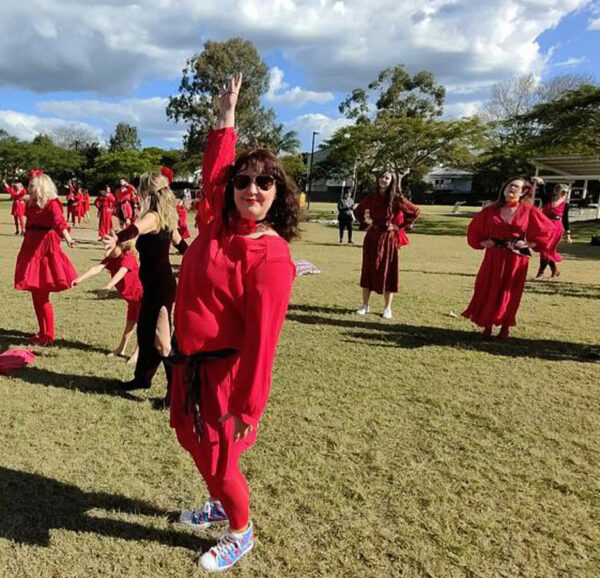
(32, 505)
(564, 289)
(383, 334)
(452, 274)
(580, 250)
(10, 337)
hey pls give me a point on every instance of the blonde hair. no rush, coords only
(128, 246)
(156, 197)
(41, 189)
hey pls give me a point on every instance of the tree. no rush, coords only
(283, 142)
(73, 137)
(296, 168)
(125, 138)
(111, 167)
(399, 94)
(203, 78)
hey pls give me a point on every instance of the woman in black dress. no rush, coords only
(156, 230)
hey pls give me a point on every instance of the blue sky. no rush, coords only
(71, 65)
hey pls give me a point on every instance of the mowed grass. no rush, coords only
(389, 448)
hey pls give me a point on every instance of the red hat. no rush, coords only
(167, 172)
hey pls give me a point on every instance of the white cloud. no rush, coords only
(463, 109)
(28, 126)
(325, 125)
(570, 62)
(148, 115)
(113, 46)
(281, 93)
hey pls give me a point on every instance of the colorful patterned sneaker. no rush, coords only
(210, 513)
(229, 549)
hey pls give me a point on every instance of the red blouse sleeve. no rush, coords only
(477, 230)
(268, 290)
(219, 154)
(540, 230)
(58, 220)
(411, 212)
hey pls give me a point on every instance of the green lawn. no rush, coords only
(389, 448)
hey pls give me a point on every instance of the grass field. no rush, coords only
(389, 448)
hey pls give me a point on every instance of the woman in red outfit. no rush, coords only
(507, 230)
(388, 213)
(182, 213)
(124, 200)
(234, 287)
(105, 204)
(557, 210)
(42, 267)
(86, 205)
(18, 206)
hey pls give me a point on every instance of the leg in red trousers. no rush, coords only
(44, 314)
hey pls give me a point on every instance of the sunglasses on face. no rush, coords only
(263, 182)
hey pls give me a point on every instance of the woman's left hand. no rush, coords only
(241, 430)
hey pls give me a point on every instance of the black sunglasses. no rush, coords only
(263, 182)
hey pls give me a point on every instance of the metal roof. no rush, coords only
(568, 167)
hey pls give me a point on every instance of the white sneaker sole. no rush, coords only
(225, 568)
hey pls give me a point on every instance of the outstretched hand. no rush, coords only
(110, 241)
(241, 430)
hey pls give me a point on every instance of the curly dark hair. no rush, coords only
(528, 190)
(284, 213)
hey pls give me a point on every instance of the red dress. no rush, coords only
(124, 199)
(105, 206)
(501, 277)
(86, 203)
(130, 287)
(233, 292)
(41, 263)
(18, 205)
(79, 205)
(182, 224)
(383, 239)
(556, 215)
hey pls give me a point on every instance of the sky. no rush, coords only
(94, 64)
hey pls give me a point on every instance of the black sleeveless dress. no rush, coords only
(158, 282)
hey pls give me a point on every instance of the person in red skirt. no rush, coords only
(234, 288)
(71, 203)
(124, 202)
(386, 213)
(123, 267)
(17, 195)
(557, 210)
(86, 205)
(42, 267)
(507, 230)
(79, 205)
(182, 227)
(105, 203)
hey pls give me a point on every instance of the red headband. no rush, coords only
(35, 173)
(167, 172)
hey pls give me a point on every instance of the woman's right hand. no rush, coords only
(229, 95)
(487, 244)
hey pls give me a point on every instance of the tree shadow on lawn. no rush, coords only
(10, 337)
(564, 289)
(32, 505)
(383, 334)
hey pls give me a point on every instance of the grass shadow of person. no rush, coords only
(10, 337)
(400, 335)
(563, 289)
(32, 505)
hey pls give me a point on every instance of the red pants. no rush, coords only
(232, 492)
(44, 313)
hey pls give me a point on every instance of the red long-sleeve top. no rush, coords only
(233, 290)
(18, 206)
(49, 217)
(125, 194)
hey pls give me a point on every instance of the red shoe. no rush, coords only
(486, 333)
(503, 333)
(34, 338)
(45, 341)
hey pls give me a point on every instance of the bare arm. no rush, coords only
(89, 273)
(118, 276)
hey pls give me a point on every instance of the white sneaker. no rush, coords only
(387, 313)
(229, 549)
(363, 310)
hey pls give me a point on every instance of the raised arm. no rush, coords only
(219, 153)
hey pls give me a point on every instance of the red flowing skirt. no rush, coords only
(42, 264)
(105, 224)
(18, 209)
(380, 261)
(216, 444)
(498, 288)
(552, 254)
